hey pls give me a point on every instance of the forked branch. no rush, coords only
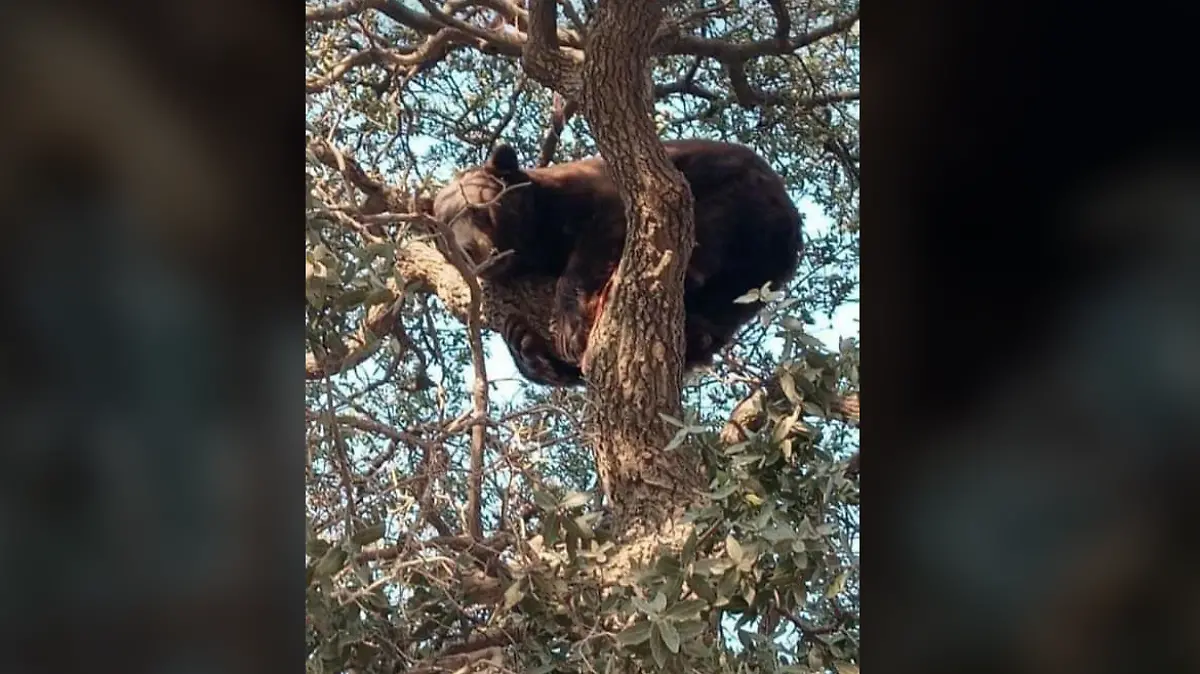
(543, 58)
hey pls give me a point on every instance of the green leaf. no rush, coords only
(785, 425)
(836, 587)
(669, 636)
(550, 529)
(364, 654)
(793, 324)
(778, 533)
(316, 547)
(370, 534)
(788, 384)
(688, 554)
(379, 248)
(671, 420)
(687, 609)
(330, 563)
(351, 298)
(769, 295)
(584, 529)
(711, 566)
(658, 647)
(736, 447)
(643, 606)
(635, 633)
(702, 588)
(544, 501)
(513, 595)
(691, 629)
(728, 585)
(676, 440)
(749, 458)
(575, 499)
(658, 603)
(733, 548)
(380, 296)
(807, 531)
(749, 298)
(724, 492)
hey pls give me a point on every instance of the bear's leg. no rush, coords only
(576, 300)
(535, 358)
(712, 321)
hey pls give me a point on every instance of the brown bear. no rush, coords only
(567, 222)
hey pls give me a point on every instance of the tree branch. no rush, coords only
(500, 42)
(735, 56)
(479, 389)
(560, 68)
(339, 11)
(396, 11)
(468, 299)
(542, 57)
(562, 112)
(634, 358)
(725, 51)
(381, 320)
(783, 22)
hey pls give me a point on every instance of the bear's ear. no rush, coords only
(503, 160)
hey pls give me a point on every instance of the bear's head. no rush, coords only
(487, 207)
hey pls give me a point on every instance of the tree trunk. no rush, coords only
(635, 358)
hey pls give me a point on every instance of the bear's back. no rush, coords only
(743, 212)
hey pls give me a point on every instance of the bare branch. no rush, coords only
(542, 57)
(745, 94)
(722, 50)
(318, 84)
(509, 114)
(783, 22)
(380, 196)
(500, 42)
(396, 11)
(686, 85)
(562, 113)
(479, 392)
(339, 11)
(839, 26)
(434, 49)
(814, 101)
(355, 348)
(734, 56)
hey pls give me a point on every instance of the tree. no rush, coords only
(451, 529)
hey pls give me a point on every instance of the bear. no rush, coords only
(566, 222)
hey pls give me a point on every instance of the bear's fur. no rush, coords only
(567, 222)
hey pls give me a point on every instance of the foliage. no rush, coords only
(768, 579)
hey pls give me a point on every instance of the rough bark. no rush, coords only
(635, 365)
